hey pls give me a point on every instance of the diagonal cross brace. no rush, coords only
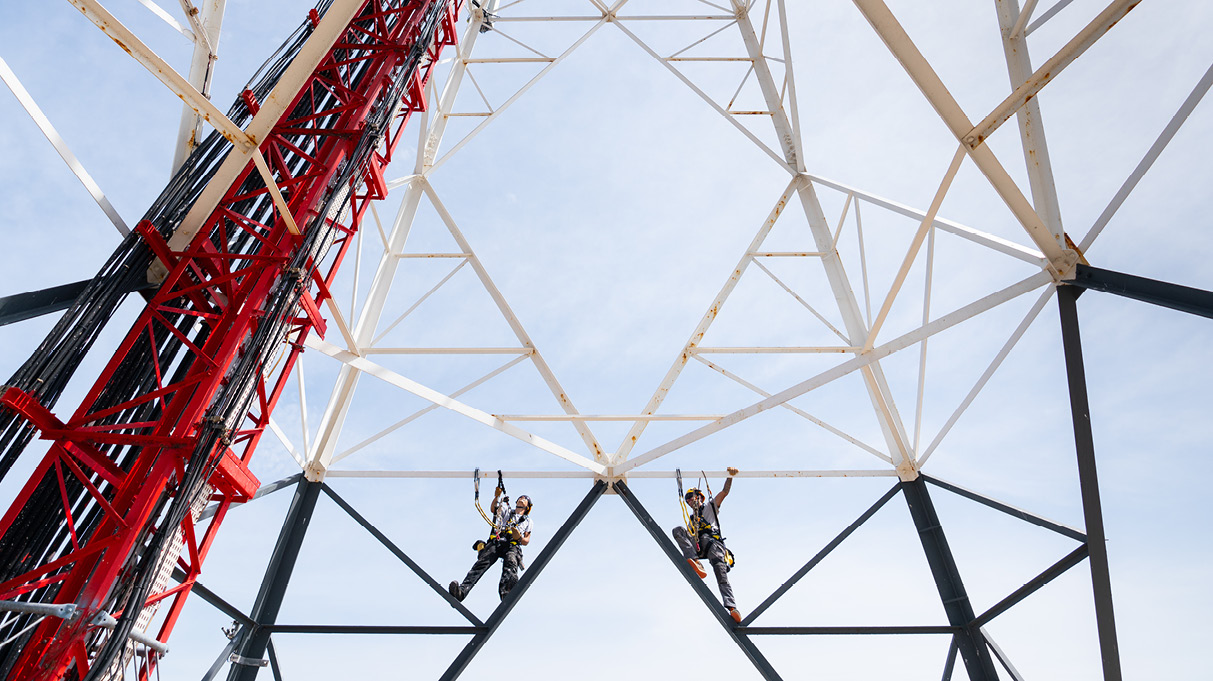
(709, 599)
(528, 577)
(842, 536)
(404, 558)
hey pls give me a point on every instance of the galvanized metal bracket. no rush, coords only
(247, 661)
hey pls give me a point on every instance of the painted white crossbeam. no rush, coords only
(168, 19)
(1152, 155)
(1061, 259)
(912, 251)
(708, 98)
(945, 322)
(131, 43)
(1049, 70)
(988, 373)
(705, 322)
(331, 26)
(425, 410)
(799, 412)
(44, 124)
(388, 376)
(651, 475)
(986, 239)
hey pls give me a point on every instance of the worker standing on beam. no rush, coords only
(511, 531)
(701, 538)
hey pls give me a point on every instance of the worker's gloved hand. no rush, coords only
(732, 470)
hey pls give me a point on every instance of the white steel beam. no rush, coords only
(425, 410)
(799, 412)
(995, 243)
(989, 372)
(168, 18)
(331, 26)
(1031, 126)
(132, 45)
(339, 403)
(1022, 20)
(840, 286)
(388, 376)
(1061, 260)
(207, 22)
(52, 135)
(1164, 138)
(650, 475)
(462, 65)
(663, 388)
(790, 167)
(861, 362)
(431, 132)
(912, 251)
(541, 365)
(1027, 88)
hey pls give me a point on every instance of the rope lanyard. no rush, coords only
(712, 501)
(686, 518)
(504, 500)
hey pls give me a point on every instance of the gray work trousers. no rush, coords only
(511, 558)
(713, 550)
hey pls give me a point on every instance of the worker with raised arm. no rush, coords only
(511, 531)
(701, 539)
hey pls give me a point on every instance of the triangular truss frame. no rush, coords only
(1059, 267)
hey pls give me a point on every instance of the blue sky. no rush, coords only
(609, 205)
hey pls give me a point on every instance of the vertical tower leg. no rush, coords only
(956, 605)
(1088, 481)
(277, 576)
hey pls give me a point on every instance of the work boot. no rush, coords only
(735, 614)
(698, 568)
(456, 591)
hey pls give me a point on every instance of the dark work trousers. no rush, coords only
(511, 558)
(713, 550)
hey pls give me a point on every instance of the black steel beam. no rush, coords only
(224, 656)
(709, 599)
(528, 577)
(863, 518)
(404, 558)
(366, 629)
(214, 599)
(1053, 572)
(22, 306)
(262, 491)
(846, 631)
(1064, 530)
(1088, 481)
(275, 667)
(951, 589)
(1185, 299)
(277, 577)
(950, 663)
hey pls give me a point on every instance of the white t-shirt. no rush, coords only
(506, 515)
(708, 513)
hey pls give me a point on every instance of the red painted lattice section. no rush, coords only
(211, 304)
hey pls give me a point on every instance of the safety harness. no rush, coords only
(697, 524)
(499, 532)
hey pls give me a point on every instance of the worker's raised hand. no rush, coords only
(732, 471)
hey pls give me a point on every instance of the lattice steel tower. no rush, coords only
(603, 248)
